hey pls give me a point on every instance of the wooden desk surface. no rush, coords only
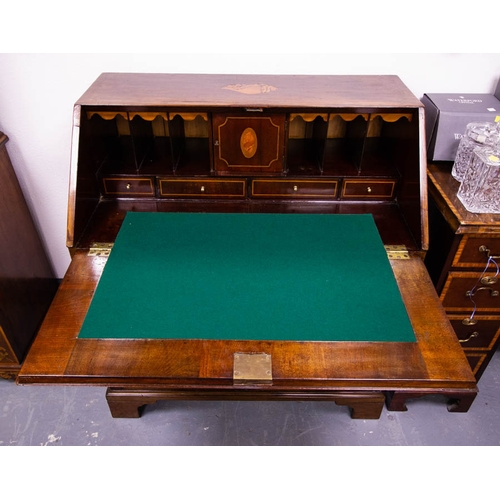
(434, 362)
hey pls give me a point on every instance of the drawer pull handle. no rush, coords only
(129, 185)
(295, 188)
(471, 293)
(368, 189)
(202, 189)
(483, 280)
(473, 335)
(487, 251)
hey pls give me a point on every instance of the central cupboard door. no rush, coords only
(249, 143)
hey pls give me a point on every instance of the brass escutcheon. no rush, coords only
(469, 321)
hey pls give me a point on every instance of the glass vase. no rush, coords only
(480, 188)
(476, 134)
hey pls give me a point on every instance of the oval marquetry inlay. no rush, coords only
(248, 142)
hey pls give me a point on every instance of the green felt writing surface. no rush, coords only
(297, 277)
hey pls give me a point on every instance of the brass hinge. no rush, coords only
(397, 252)
(100, 249)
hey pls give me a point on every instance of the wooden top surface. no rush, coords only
(296, 91)
(444, 189)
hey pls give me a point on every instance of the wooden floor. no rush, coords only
(79, 416)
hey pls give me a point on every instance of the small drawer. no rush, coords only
(203, 188)
(367, 189)
(463, 291)
(294, 188)
(474, 251)
(480, 333)
(128, 186)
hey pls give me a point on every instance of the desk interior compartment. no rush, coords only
(126, 141)
(190, 138)
(306, 143)
(344, 143)
(391, 140)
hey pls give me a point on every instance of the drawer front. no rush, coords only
(482, 334)
(128, 186)
(367, 189)
(294, 188)
(463, 291)
(475, 250)
(203, 188)
(475, 361)
(248, 144)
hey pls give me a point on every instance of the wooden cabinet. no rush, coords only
(248, 144)
(27, 283)
(463, 262)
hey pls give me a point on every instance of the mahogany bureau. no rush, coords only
(250, 144)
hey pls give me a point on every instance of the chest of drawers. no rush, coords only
(463, 263)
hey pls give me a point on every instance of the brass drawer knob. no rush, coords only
(368, 189)
(129, 185)
(202, 189)
(295, 188)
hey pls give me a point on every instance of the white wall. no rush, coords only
(37, 93)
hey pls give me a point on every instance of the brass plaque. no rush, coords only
(252, 368)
